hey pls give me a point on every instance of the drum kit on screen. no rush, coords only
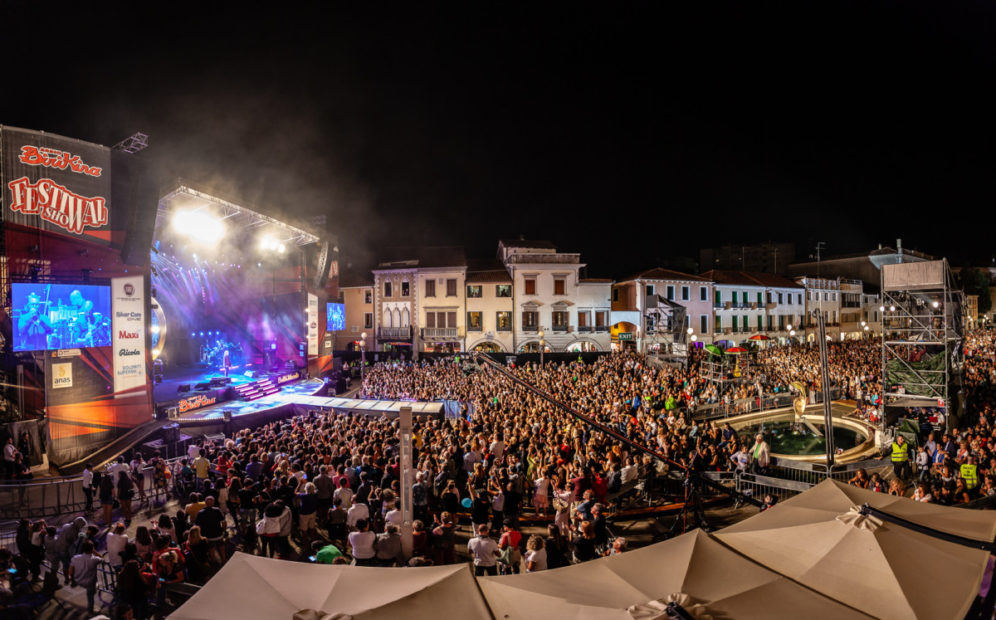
(77, 328)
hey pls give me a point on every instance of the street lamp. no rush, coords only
(542, 345)
(363, 358)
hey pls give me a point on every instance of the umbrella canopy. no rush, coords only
(819, 539)
(759, 337)
(713, 349)
(736, 350)
(249, 586)
(692, 569)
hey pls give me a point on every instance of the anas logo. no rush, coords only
(62, 376)
(129, 290)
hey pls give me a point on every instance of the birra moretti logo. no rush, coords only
(56, 204)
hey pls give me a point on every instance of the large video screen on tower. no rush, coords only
(60, 316)
(335, 317)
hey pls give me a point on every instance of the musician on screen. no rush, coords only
(33, 326)
(78, 305)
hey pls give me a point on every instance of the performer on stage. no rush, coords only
(226, 362)
(33, 326)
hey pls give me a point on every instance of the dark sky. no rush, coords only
(631, 132)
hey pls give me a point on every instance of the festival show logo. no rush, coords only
(56, 204)
(55, 158)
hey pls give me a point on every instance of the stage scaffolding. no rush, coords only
(665, 328)
(922, 336)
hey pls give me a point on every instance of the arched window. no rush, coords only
(387, 318)
(397, 317)
(406, 320)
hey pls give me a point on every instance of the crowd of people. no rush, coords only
(325, 487)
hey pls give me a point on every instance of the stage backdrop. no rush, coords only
(65, 219)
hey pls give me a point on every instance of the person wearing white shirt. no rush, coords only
(362, 543)
(485, 551)
(356, 513)
(394, 516)
(116, 541)
(344, 494)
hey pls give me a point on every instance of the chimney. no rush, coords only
(899, 249)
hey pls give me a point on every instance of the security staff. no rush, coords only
(970, 473)
(900, 457)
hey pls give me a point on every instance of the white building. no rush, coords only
(822, 296)
(489, 308)
(546, 288)
(747, 304)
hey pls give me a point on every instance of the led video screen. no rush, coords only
(60, 316)
(335, 317)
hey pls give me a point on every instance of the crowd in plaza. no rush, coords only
(325, 487)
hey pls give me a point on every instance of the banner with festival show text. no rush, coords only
(128, 332)
(56, 184)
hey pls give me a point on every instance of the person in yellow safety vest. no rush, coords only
(970, 474)
(901, 457)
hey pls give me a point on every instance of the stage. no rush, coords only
(167, 390)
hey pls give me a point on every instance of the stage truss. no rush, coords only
(235, 216)
(922, 335)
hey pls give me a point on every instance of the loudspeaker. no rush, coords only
(171, 433)
(134, 193)
(183, 388)
(323, 264)
(202, 386)
(227, 415)
(220, 381)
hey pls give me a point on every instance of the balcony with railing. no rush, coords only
(394, 333)
(601, 329)
(560, 328)
(435, 333)
(584, 329)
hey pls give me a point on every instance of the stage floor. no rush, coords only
(288, 395)
(166, 391)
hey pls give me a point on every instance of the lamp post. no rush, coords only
(791, 342)
(542, 345)
(363, 358)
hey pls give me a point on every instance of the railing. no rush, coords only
(584, 329)
(601, 328)
(440, 332)
(712, 411)
(559, 328)
(394, 333)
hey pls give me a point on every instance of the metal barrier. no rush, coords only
(758, 486)
(712, 411)
(52, 496)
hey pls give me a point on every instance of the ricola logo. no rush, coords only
(127, 352)
(125, 335)
(56, 204)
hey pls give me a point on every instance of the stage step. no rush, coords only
(257, 389)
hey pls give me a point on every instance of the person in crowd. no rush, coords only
(83, 572)
(485, 552)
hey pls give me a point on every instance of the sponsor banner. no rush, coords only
(312, 315)
(62, 375)
(288, 377)
(196, 402)
(56, 184)
(128, 332)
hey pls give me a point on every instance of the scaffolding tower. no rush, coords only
(664, 323)
(922, 337)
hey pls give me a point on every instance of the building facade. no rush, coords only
(631, 311)
(358, 308)
(440, 308)
(489, 309)
(752, 304)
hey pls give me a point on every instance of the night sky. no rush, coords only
(630, 132)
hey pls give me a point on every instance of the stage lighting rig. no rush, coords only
(199, 226)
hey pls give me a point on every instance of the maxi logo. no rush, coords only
(54, 158)
(196, 402)
(126, 335)
(56, 204)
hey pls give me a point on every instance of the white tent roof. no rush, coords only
(249, 586)
(889, 571)
(633, 584)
